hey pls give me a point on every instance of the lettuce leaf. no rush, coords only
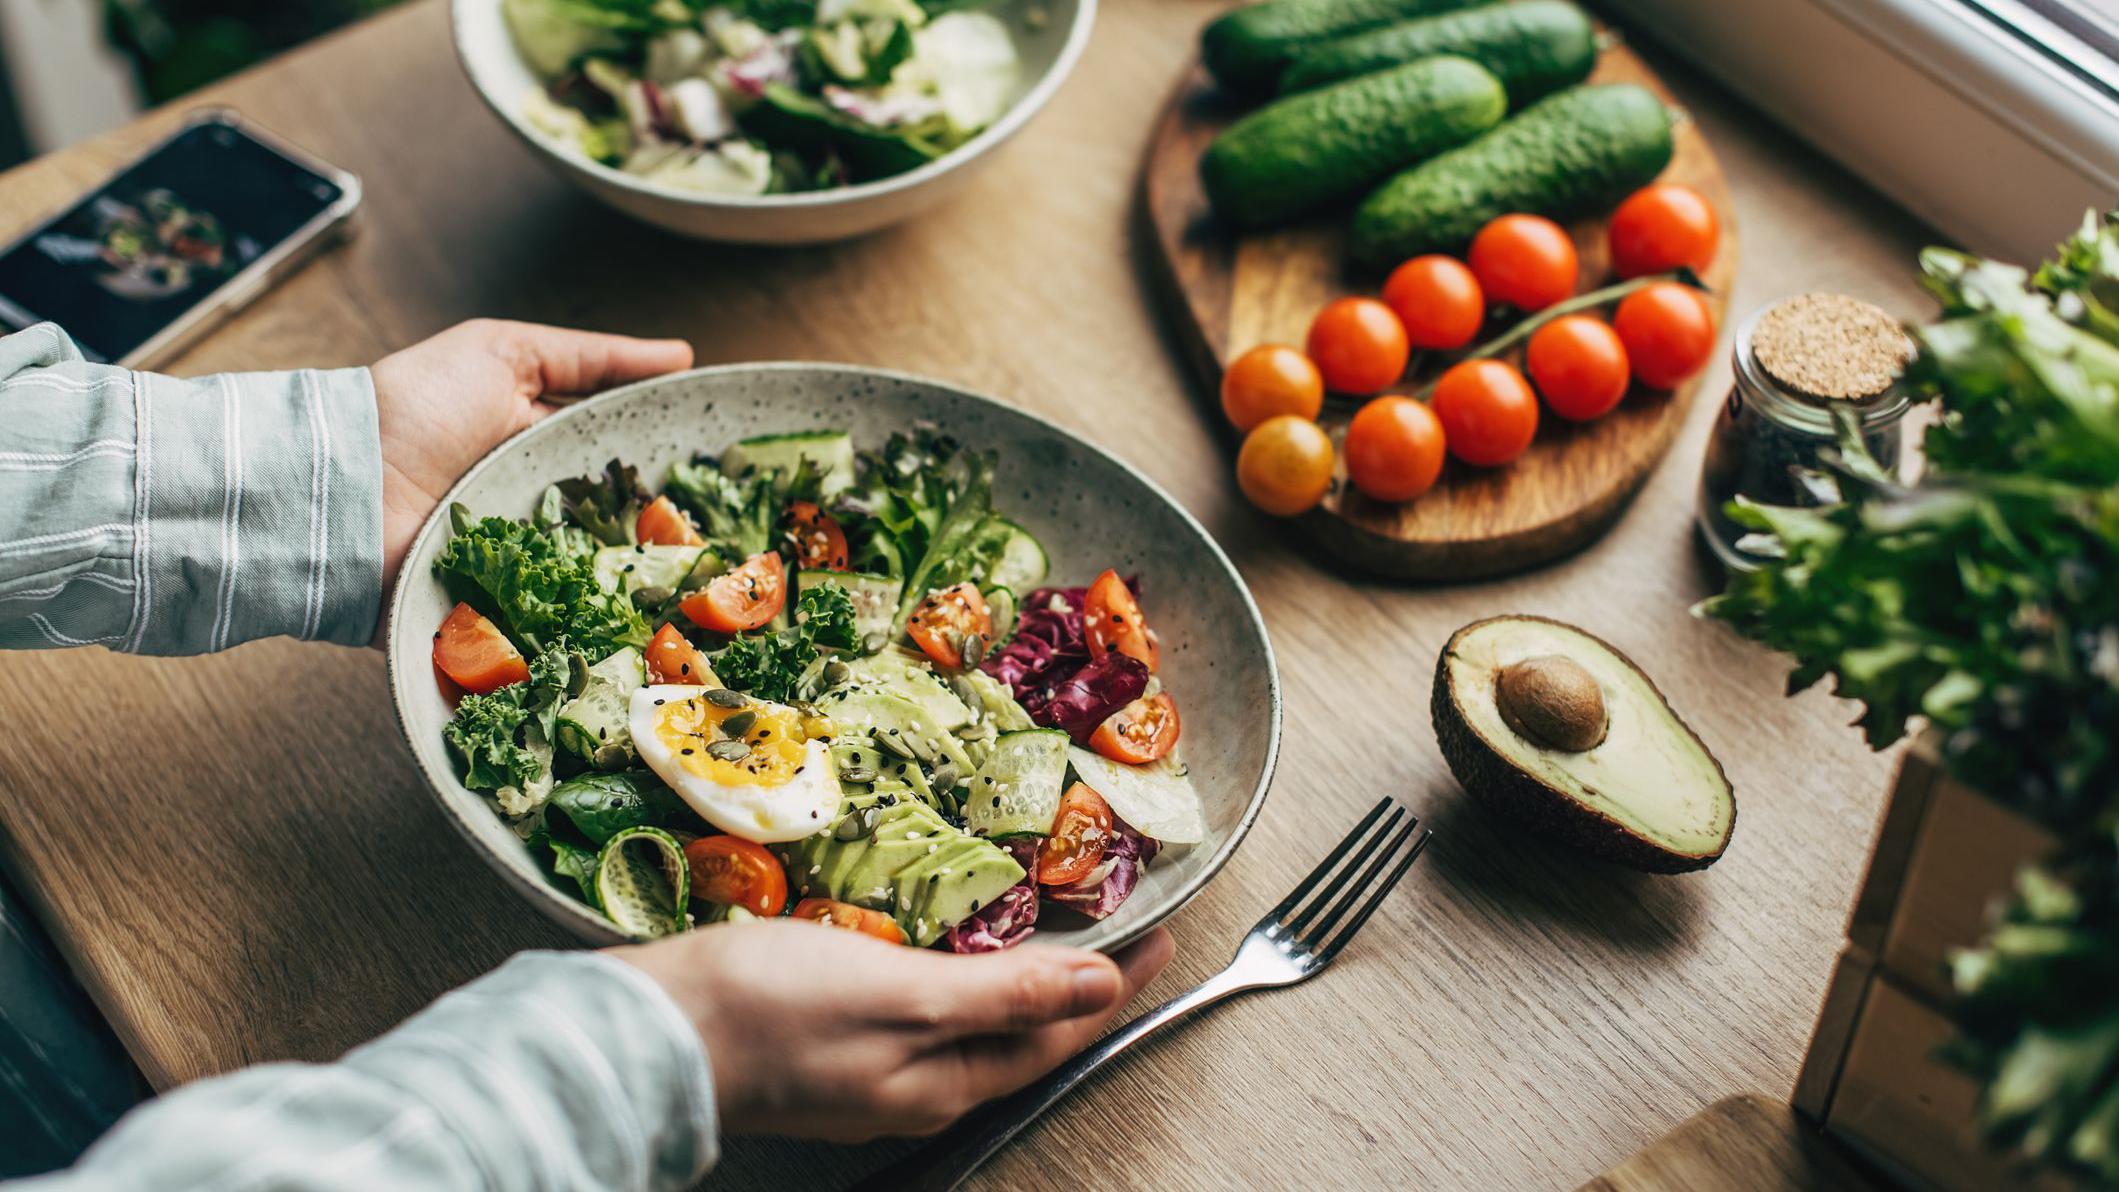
(737, 517)
(607, 506)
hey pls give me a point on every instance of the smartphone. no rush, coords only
(177, 241)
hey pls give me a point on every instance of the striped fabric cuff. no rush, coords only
(258, 509)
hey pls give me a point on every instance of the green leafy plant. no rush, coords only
(1985, 599)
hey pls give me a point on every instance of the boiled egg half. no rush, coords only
(768, 781)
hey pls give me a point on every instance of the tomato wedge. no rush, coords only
(820, 545)
(850, 917)
(948, 621)
(1112, 620)
(1080, 832)
(475, 654)
(736, 872)
(672, 658)
(663, 524)
(1138, 733)
(745, 598)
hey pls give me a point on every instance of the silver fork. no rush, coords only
(1287, 947)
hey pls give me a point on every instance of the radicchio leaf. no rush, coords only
(1009, 919)
(1108, 886)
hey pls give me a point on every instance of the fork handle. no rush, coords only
(946, 1162)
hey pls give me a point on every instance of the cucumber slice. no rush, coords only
(1018, 789)
(630, 568)
(1001, 603)
(830, 450)
(592, 725)
(643, 882)
(875, 597)
(1157, 799)
(1020, 564)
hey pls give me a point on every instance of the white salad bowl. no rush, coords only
(1049, 34)
(1090, 511)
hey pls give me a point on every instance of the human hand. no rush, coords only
(446, 400)
(819, 1032)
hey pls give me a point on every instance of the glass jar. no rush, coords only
(1769, 430)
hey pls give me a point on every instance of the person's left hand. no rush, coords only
(446, 400)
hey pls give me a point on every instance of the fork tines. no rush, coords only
(1376, 854)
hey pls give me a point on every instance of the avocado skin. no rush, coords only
(1547, 812)
(1535, 48)
(1246, 50)
(1309, 150)
(1571, 153)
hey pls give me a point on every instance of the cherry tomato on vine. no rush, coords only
(1668, 330)
(1359, 346)
(1285, 466)
(1487, 411)
(1579, 367)
(1269, 380)
(1526, 261)
(1661, 227)
(1438, 300)
(1394, 449)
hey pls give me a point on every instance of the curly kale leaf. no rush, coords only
(776, 666)
(503, 738)
(540, 591)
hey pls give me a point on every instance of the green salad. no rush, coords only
(763, 96)
(805, 679)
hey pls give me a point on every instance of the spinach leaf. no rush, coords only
(600, 806)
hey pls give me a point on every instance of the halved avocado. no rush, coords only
(1562, 732)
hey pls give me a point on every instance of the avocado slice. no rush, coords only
(1562, 732)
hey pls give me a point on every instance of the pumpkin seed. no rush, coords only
(737, 726)
(891, 742)
(837, 672)
(650, 599)
(728, 751)
(966, 692)
(974, 649)
(874, 643)
(722, 697)
(858, 774)
(945, 777)
(848, 827)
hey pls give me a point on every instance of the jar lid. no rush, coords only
(1829, 348)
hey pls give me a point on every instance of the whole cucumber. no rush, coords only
(1568, 154)
(1303, 152)
(1534, 48)
(1247, 49)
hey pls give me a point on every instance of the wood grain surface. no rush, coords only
(242, 866)
(1234, 292)
(1746, 1143)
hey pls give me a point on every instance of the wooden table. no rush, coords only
(240, 863)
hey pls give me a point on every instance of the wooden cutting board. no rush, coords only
(1233, 292)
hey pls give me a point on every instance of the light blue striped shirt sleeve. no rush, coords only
(164, 516)
(557, 1071)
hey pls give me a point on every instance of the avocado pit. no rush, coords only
(1553, 701)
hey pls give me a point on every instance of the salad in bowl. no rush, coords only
(758, 97)
(802, 678)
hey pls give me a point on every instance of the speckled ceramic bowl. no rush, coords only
(1090, 511)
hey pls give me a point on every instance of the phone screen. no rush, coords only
(158, 239)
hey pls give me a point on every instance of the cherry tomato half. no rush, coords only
(1487, 411)
(1527, 261)
(475, 654)
(663, 524)
(1359, 345)
(820, 545)
(672, 658)
(1662, 227)
(1579, 366)
(1668, 330)
(1394, 449)
(745, 598)
(850, 917)
(1285, 466)
(733, 871)
(1138, 733)
(1080, 833)
(1438, 300)
(1111, 620)
(947, 620)
(1269, 380)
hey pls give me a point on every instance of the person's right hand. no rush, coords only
(819, 1032)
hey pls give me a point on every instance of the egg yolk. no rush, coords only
(775, 741)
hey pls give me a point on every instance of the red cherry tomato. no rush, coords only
(672, 658)
(946, 619)
(663, 524)
(1111, 620)
(849, 917)
(1487, 411)
(1080, 833)
(733, 871)
(1138, 733)
(1668, 330)
(1526, 261)
(475, 654)
(1270, 380)
(1438, 300)
(1359, 345)
(1661, 227)
(820, 545)
(1285, 466)
(1394, 449)
(1579, 366)
(745, 598)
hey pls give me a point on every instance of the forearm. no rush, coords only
(556, 1071)
(166, 516)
